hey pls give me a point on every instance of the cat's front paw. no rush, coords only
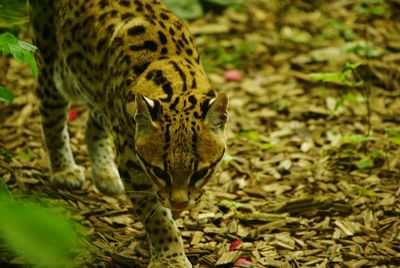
(107, 180)
(170, 262)
(69, 178)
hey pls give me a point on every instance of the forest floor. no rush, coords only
(312, 174)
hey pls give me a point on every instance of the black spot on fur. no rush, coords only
(164, 16)
(127, 59)
(101, 44)
(126, 15)
(162, 24)
(167, 89)
(173, 105)
(125, 3)
(164, 51)
(192, 99)
(163, 38)
(181, 74)
(117, 41)
(110, 28)
(103, 17)
(103, 4)
(139, 69)
(147, 45)
(149, 8)
(114, 13)
(185, 39)
(194, 83)
(136, 30)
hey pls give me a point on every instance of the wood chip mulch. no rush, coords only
(294, 191)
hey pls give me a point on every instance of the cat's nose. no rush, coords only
(179, 205)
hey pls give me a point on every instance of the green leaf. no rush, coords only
(26, 155)
(6, 95)
(364, 163)
(42, 237)
(267, 146)
(356, 139)
(373, 1)
(327, 77)
(227, 158)
(252, 135)
(4, 192)
(21, 51)
(394, 135)
(221, 2)
(352, 66)
(13, 13)
(188, 9)
(6, 155)
(362, 191)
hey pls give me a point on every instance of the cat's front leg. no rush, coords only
(166, 245)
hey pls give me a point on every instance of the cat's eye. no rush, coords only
(198, 175)
(161, 174)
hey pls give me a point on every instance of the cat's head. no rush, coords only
(180, 144)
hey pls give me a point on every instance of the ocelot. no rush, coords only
(134, 65)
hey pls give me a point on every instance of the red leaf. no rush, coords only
(234, 245)
(242, 260)
(233, 75)
(73, 114)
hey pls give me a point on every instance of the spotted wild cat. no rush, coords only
(134, 65)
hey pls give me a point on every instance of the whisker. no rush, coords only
(155, 208)
(140, 192)
(146, 200)
(225, 215)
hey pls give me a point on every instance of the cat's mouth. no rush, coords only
(179, 206)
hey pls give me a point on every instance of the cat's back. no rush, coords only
(123, 32)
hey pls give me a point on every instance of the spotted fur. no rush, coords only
(134, 65)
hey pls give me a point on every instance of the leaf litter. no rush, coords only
(310, 179)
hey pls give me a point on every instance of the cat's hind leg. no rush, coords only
(53, 108)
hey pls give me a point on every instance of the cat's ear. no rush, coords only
(146, 109)
(217, 113)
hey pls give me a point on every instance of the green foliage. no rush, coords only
(227, 57)
(393, 135)
(348, 35)
(251, 135)
(6, 156)
(189, 9)
(22, 52)
(350, 98)
(267, 146)
(365, 163)
(42, 237)
(357, 139)
(13, 13)
(5, 195)
(364, 50)
(193, 9)
(368, 161)
(26, 155)
(6, 95)
(227, 158)
(347, 77)
(363, 192)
